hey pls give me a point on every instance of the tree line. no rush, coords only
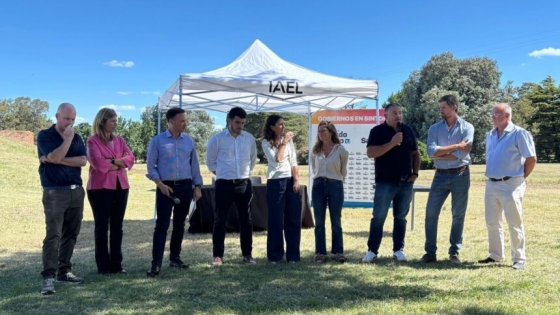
(476, 82)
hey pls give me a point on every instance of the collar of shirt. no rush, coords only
(168, 134)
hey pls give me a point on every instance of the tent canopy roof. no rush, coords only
(259, 80)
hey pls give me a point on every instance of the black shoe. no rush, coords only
(177, 263)
(486, 261)
(69, 278)
(454, 258)
(428, 258)
(154, 271)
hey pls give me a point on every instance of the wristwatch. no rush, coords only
(197, 186)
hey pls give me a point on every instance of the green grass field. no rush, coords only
(384, 287)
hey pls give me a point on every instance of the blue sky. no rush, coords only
(125, 53)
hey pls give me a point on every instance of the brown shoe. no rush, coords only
(217, 262)
(249, 260)
(320, 258)
(428, 258)
(340, 258)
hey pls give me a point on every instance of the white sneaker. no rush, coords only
(369, 257)
(399, 256)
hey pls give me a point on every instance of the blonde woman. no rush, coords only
(282, 192)
(328, 162)
(109, 157)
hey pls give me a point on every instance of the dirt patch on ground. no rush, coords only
(21, 136)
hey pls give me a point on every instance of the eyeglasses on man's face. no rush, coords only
(496, 114)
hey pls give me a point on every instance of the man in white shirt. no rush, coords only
(231, 155)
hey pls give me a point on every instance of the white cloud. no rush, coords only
(150, 92)
(124, 92)
(119, 107)
(523, 64)
(219, 127)
(115, 63)
(555, 52)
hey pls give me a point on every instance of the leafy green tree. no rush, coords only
(200, 127)
(545, 97)
(474, 80)
(24, 114)
(84, 130)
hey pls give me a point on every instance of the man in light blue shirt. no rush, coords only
(173, 166)
(449, 144)
(510, 158)
(231, 155)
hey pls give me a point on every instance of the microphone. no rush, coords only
(399, 128)
(175, 199)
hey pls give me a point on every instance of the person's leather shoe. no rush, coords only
(428, 258)
(454, 258)
(154, 271)
(487, 261)
(177, 263)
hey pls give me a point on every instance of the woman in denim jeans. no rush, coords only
(282, 192)
(328, 161)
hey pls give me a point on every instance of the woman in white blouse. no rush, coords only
(282, 192)
(328, 161)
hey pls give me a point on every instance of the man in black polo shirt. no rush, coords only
(62, 154)
(394, 147)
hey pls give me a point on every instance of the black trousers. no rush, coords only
(109, 207)
(226, 193)
(165, 207)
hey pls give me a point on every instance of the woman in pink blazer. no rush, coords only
(109, 156)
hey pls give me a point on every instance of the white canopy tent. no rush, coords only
(260, 81)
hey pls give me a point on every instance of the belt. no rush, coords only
(235, 181)
(452, 170)
(71, 187)
(177, 182)
(503, 179)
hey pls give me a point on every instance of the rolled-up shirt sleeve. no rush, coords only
(431, 145)
(469, 137)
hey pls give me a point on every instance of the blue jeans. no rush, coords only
(443, 184)
(328, 192)
(284, 219)
(400, 193)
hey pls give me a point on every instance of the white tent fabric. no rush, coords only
(260, 81)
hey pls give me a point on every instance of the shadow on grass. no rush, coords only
(233, 288)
